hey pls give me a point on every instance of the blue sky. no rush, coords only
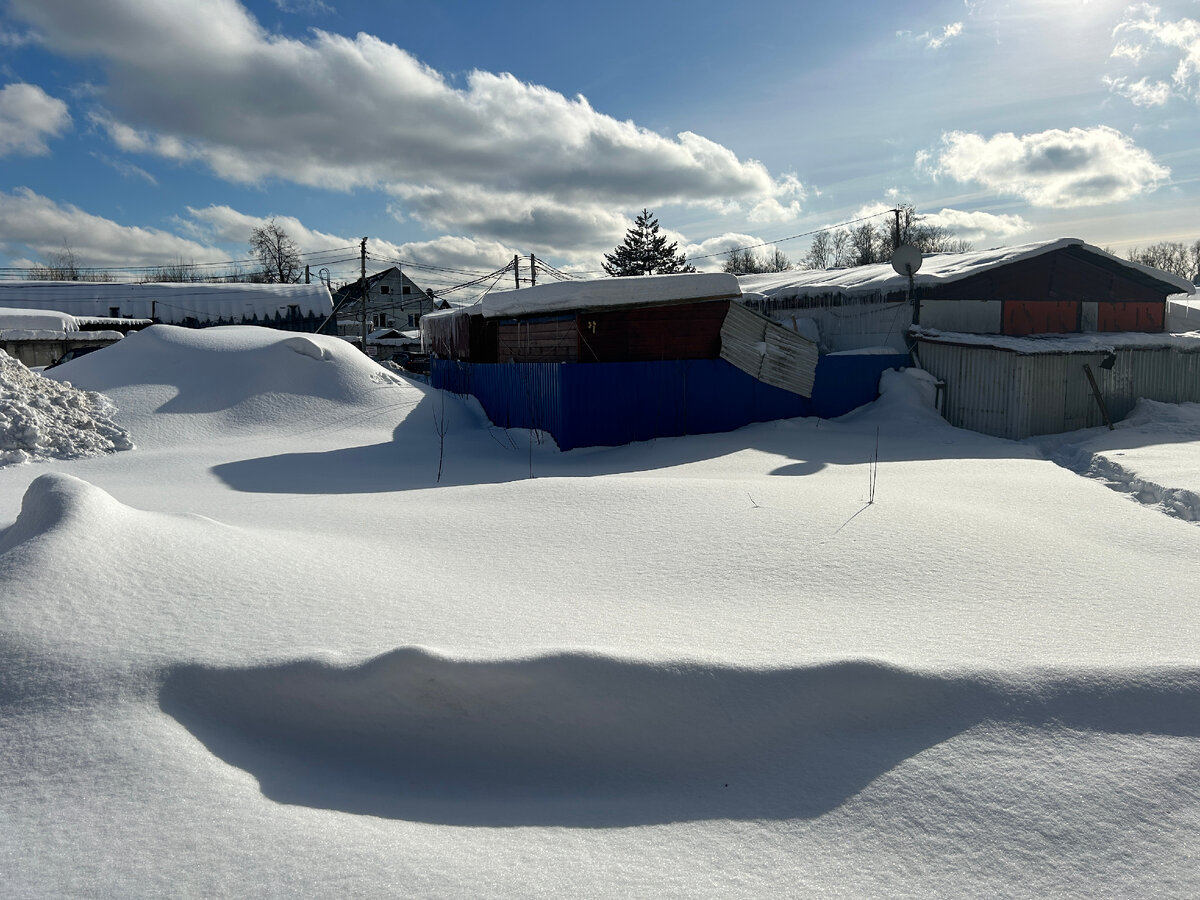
(459, 134)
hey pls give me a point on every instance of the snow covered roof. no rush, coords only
(600, 293)
(37, 320)
(171, 303)
(936, 268)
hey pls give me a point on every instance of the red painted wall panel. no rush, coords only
(1040, 317)
(1131, 317)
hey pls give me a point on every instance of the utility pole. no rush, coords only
(517, 271)
(532, 271)
(307, 275)
(363, 255)
(896, 242)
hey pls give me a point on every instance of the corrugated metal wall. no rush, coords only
(1014, 395)
(608, 404)
(768, 351)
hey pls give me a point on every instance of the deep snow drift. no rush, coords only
(268, 652)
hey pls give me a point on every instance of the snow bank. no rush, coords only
(585, 739)
(238, 377)
(43, 419)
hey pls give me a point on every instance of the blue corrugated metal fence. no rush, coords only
(607, 404)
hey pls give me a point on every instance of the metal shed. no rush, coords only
(1020, 387)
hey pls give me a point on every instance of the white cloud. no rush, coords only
(217, 234)
(1170, 49)
(304, 7)
(227, 226)
(1141, 92)
(1126, 50)
(203, 82)
(30, 220)
(28, 116)
(930, 40)
(128, 169)
(968, 225)
(977, 226)
(709, 255)
(953, 30)
(541, 224)
(14, 39)
(1055, 168)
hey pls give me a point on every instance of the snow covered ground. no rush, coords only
(267, 653)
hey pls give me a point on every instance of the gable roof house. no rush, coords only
(1032, 339)
(1063, 286)
(393, 301)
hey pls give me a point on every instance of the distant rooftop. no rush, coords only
(936, 268)
(173, 303)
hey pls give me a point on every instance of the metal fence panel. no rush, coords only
(608, 404)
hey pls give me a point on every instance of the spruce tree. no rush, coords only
(646, 252)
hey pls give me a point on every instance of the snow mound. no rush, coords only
(575, 738)
(43, 419)
(237, 376)
(906, 397)
(56, 501)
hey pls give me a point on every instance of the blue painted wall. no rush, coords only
(608, 404)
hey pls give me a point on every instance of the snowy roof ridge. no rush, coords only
(936, 268)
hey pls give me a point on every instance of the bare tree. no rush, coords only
(741, 262)
(747, 262)
(778, 261)
(820, 251)
(277, 254)
(1170, 256)
(61, 266)
(58, 266)
(177, 271)
(868, 243)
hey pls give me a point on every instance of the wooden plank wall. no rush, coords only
(646, 334)
(537, 340)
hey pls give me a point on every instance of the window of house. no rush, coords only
(406, 289)
(114, 312)
(385, 289)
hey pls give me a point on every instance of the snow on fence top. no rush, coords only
(642, 290)
(936, 268)
(1091, 342)
(172, 303)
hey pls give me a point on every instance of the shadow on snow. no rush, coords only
(588, 741)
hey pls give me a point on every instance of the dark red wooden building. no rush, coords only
(1054, 287)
